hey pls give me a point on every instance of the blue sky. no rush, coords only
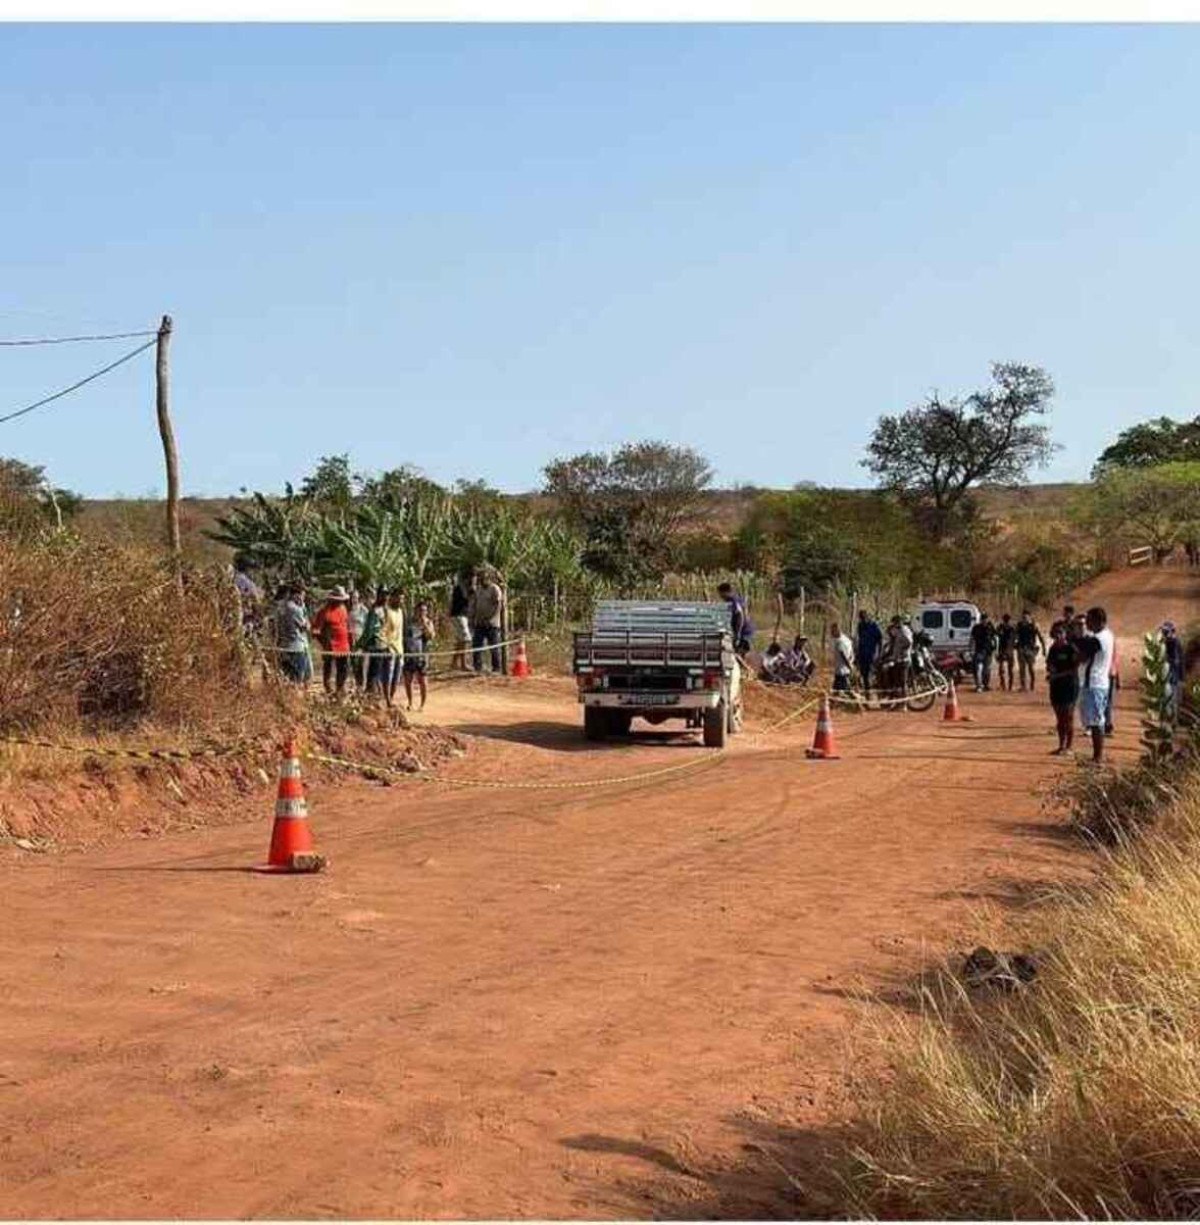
(474, 248)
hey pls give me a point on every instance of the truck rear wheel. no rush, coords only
(715, 726)
(595, 722)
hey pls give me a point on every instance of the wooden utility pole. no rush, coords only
(162, 372)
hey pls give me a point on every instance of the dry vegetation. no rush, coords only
(1077, 1095)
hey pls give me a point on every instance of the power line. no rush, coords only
(69, 340)
(66, 391)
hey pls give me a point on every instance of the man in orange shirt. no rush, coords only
(331, 627)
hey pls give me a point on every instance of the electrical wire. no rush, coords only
(70, 340)
(66, 391)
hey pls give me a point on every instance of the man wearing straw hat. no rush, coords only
(331, 627)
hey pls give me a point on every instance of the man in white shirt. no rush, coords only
(843, 658)
(1096, 649)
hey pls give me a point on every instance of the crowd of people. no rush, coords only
(375, 640)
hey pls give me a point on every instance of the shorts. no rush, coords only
(462, 631)
(841, 682)
(415, 663)
(1093, 706)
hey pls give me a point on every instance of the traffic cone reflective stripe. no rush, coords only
(291, 839)
(953, 713)
(824, 746)
(520, 666)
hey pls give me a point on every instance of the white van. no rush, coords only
(948, 624)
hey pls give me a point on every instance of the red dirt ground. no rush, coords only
(561, 1003)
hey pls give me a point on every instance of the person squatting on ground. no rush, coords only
(1095, 649)
(1006, 649)
(331, 628)
(800, 663)
(460, 620)
(843, 658)
(1062, 678)
(739, 619)
(867, 647)
(983, 648)
(418, 638)
(1029, 642)
(486, 611)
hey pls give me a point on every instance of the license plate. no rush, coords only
(650, 699)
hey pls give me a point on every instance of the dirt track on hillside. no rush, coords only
(505, 1003)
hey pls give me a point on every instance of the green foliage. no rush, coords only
(936, 452)
(29, 505)
(1154, 506)
(332, 485)
(631, 506)
(1158, 715)
(1152, 443)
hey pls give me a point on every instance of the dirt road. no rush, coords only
(504, 1003)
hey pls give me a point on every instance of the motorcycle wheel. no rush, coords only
(923, 700)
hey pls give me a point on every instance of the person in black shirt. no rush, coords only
(1062, 673)
(983, 641)
(460, 607)
(1029, 642)
(1006, 641)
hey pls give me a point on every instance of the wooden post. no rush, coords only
(162, 373)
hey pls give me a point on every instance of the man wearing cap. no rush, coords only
(331, 626)
(799, 663)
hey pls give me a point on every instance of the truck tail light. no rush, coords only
(712, 680)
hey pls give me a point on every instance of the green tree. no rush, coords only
(630, 505)
(331, 485)
(1158, 507)
(937, 452)
(1151, 444)
(29, 503)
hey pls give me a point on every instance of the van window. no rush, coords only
(931, 619)
(960, 618)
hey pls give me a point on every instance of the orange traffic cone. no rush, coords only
(952, 713)
(824, 747)
(291, 842)
(520, 664)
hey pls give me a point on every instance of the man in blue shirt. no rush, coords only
(866, 648)
(743, 630)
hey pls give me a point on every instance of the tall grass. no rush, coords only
(99, 638)
(1079, 1095)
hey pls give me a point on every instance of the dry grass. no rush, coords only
(1078, 1095)
(98, 639)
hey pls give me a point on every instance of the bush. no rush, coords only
(95, 638)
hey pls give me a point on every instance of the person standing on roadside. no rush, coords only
(739, 619)
(331, 626)
(291, 635)
(358, 622)
(372, 647)
(983, 647)
(1029, 642)
(1095, 649)
(1114, 685)
(1062, 678)
(866, 650)
(418, 637)
(460, 623)
(1067, 621)
(843, 658)
(1006, 645)
(487, 615)
(393, 641)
